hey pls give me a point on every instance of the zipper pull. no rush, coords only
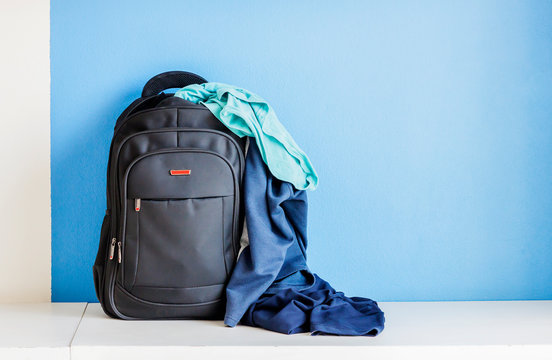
(119, 253)
(112, 249)
(137, 203)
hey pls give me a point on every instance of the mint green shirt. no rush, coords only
(247, 114)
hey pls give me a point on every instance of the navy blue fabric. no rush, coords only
(318, 309)
(271, 286)
(276, 216)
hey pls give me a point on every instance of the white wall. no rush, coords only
(24, 151)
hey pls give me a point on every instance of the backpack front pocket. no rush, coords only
(176, 245)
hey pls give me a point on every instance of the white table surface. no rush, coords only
(38, 331)
(428, 330)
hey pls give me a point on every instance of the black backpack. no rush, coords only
(170, 236)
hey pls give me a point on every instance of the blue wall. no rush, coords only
(430, 125)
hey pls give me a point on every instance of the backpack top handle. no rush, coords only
(170, 80)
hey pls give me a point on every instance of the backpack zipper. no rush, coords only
(112, 250)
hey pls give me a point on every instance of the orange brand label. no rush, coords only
(180, 172)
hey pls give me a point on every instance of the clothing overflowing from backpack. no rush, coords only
(271, 285)
(182, 183)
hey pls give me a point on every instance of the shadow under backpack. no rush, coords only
(170, 236)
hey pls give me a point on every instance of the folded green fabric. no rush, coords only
(247, 114)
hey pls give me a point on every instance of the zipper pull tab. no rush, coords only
(137, 203)
(119, 253)
(112, 249)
